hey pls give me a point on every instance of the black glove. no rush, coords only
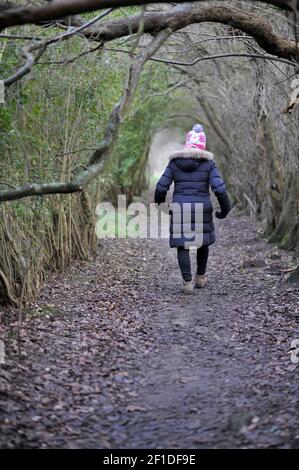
(224, 205)
(159, 197)
(220, 215)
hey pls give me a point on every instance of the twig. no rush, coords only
(169, 90)
(7, 184)
(213, 57)
(70, 61)
(23, 38)
(75, 151)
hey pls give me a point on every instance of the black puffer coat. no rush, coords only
(193, 172)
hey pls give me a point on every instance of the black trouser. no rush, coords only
(185, 265)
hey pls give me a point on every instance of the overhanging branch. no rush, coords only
(62, 8)
(250, 23)
(257, 27)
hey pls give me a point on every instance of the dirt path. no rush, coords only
(113, 355)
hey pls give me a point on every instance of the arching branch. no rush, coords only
(253, 25)
(10, 15)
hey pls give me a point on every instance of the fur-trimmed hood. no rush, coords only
(193, 153)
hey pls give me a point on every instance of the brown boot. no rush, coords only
(200, 281)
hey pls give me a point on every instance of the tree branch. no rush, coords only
(178, 18)
(212, 57)
(13, 16)
(250, 23)
(39, 189)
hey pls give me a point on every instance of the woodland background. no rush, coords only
(55, 116)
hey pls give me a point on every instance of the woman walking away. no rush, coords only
(193, 171)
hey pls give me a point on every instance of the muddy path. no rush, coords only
(113, 355)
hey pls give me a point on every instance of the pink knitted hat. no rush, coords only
(196, 138)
